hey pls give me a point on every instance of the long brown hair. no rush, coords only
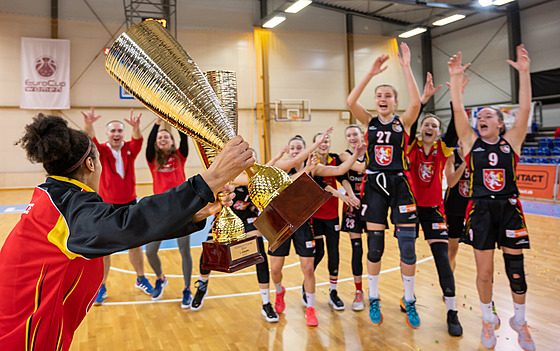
(161, 156)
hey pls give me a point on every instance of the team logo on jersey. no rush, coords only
(494, 179)
(426, 171)
(383, 154)
(464, 188)
(505, 149)
(240, 205)
(397, 127)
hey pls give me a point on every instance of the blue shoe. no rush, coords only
(187, 298)
(144, 285)
(102, 295)
(375, 311)
(158, 290)
(412, 317)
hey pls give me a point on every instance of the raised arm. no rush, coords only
(411, 114)
(516, 134)
(287, 164)
(456, 75)
(134, 121)
(451, 174)
(89, 119)
(278, 156)
(352, 101)
(325, 171)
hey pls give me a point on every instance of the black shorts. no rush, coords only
(249, 224)
(327, 227)
(432, 222)
(353, 220)
(303, 242)
(455, 226)
(383, 190)
(496, 221)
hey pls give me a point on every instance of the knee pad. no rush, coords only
(203, 271)
(376, 245)
(407, 240)
(263, 275)
(357, 253)
(319, 251)
(445, 273)
(514, 266)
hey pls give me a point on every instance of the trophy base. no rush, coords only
(290, 209)
(230, 257)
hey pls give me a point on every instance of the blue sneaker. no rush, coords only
(412, 317)
(158, 290)
(102, 295)
(375, 311)
(187, 298)
(144, 285)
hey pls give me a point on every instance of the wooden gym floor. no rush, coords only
(230, 318)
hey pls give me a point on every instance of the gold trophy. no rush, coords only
(152, 66)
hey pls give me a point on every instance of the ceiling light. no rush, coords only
(447, 20)
(412, 33)
(485, 3)
(274, 21)
(298, 6)
(501, 2)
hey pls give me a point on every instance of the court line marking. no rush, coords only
(249, 293)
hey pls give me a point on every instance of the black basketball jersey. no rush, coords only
(492, 169)
(457, 197)
(355, 178)
(242, 205)
(386, 145)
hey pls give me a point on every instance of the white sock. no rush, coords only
(278, 287)
(333, 283)
(519, 313)
(373, 284)
(408, 282)
(310, 299)
(450, 302)
(487, 314)
(203, 279)
(265, 295)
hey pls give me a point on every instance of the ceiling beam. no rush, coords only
(359, 13)
(421, 3)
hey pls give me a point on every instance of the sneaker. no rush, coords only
(187, 298)
(102, 295)
(454, 328)
(375, 311)
(498, 322)
(358, 303)
(335, 301)
(303, 297)
(280, 305)
(310, 317)
(269, 313)
(201, 291)
(524, 339)
(158, 290)
(144, 285)
(487, 336)
(412, 317)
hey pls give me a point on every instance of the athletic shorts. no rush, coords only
(353, 220)
(303, 242)
(455, 226)
(249, 224)
(386, 190)
(327, 227)
(432, 222)
(496, 221)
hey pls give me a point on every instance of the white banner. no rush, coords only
(45, 74)
(509, 111)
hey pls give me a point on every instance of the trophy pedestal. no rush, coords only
(230, 257)
(290, 209)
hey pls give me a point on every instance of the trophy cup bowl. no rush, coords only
(153, 67)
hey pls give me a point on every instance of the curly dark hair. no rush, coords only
(49, 140)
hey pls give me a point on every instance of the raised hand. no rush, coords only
(404, 58)
(455, 66)
(377, 68)
(429, 89)
(361, 150)
(523, 60)
(89, 116)
(465, 81)
(319, 140)
(312, 162)
(134, 121)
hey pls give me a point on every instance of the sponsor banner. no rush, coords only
(509, 111)
(536, 180)
(45, 74)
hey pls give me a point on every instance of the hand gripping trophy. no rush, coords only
(152, 66)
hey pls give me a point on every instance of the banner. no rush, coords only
(536, 180)
(509, 111)
(45, 74)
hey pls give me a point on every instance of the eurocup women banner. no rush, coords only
(509, 111)
(45, 74)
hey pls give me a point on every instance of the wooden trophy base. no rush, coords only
(290, 209)
(230, 257)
